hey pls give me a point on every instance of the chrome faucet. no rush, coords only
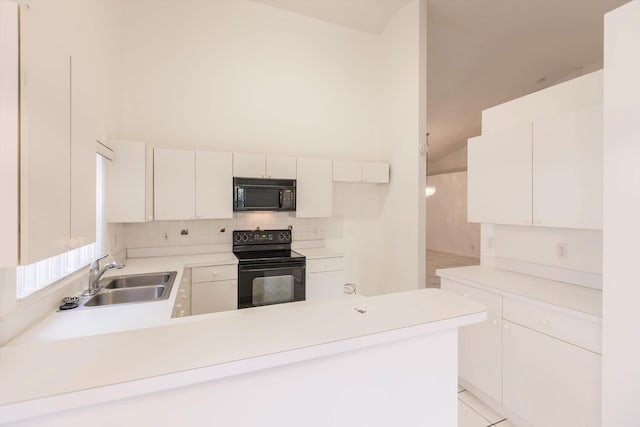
(95, 273)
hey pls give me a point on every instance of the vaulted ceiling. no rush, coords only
(482, 53)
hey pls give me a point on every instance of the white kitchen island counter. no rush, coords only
(365, 361)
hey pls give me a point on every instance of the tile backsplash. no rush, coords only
(207, 232)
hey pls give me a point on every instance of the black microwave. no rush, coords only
(255, 194)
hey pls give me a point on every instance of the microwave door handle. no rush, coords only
(280, 192)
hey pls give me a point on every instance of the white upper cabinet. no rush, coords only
(9, 134)
(246, 165)
(45, 132)
(192, 184)
(129, 188)
(174, 184)
(375, 172)
(281, 167)
(347, 171)
(356, 171)
(547, 171)
(314, 196)
(214, 183)
(499, 177)
(567, 170)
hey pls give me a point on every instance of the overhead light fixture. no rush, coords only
(429, 190)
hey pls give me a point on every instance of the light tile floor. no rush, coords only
(436, 260)
(473, 413)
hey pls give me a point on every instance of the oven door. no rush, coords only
(270, 283)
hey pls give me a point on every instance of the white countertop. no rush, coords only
(101, 320)
(317, 253)
(579, 299)
(200, 348)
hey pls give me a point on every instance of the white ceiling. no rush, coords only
(365, 15)
(482, 53)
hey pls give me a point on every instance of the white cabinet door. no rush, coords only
(314, 197)
(282, 167)
(375, 172)
(567, 170)
(214, 182)
(211, 297)
(549, 382)
(499, 177)
(45, 132)
(129, 189)
(328, 284)
(9, 134)
(480, 356)
(347, 171)
(174, 184)
(246, 165)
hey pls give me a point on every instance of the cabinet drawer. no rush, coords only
(325, 264)
(491, 300)
(213, 273)
(580, 332)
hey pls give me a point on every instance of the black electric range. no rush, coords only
(269, 272)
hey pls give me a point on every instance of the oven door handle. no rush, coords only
(289, 267)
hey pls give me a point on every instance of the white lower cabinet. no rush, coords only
(211, 297)
(549, 382)
(325, 278)
(538, 363)
(329, 284)
(214, 288)
(480, 356)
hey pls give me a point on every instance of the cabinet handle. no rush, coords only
(466, 295)
(545, 322)
(506, 327)
(494, 322)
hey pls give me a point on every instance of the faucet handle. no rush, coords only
(95, 264)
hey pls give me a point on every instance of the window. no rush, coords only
(33, 277)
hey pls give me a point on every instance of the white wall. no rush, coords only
(453, 162)
(242, 76)
(403, 225)
(447, 226)
(621, 317)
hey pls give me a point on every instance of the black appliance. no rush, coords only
(254, 194)
(269, 272)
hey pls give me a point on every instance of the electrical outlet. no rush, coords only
(563, 250)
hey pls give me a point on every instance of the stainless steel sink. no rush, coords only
(137, 280)
(124, 296)
(133, 288)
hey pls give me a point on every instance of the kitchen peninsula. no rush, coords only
(383, 360)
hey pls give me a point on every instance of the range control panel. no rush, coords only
(261, 237)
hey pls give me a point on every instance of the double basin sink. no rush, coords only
(133, 288)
